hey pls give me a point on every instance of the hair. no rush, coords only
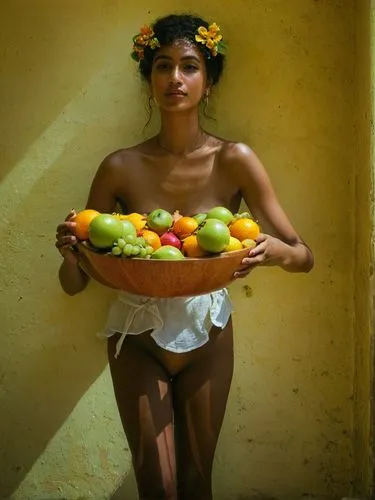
(174, 27)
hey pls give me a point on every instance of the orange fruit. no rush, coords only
(191, 248)
(138, 220)
(83, 220)
(244, 229)
(184, 226)
(234, 244)
(151, 238)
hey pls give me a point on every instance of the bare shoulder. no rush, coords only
(239, 160)
(113, 173)
(120, 160)
(237, 154)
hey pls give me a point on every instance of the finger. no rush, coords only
(258, 249)
(261, 237)
(71, 214)
(242, 274)
(66, 226)
(67, 240)
(253, 261)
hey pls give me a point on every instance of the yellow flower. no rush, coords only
(203, 34)
(209, 37)
(154, 43)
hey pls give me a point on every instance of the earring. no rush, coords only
(205, 102)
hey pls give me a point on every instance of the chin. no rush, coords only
(178, 107)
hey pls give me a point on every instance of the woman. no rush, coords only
(172, 364)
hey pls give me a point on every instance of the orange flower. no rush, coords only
(146, 38)
(147, 31)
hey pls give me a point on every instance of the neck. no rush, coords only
(180, 133)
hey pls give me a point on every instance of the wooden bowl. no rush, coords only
(162, 278)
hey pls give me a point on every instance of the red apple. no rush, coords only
(171, 239)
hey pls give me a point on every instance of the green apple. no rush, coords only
(200, 217)
(167, 252)
(105, 230)
(128, 228)
(159, 220)
(220, 213)
(213, 236)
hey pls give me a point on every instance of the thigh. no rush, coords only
(143, 393)
(200, 396)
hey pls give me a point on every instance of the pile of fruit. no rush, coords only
(162, 235)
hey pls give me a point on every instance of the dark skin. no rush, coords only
(173, 415)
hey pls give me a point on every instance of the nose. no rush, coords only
(175, 77)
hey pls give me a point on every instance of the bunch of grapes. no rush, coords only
(132, 246)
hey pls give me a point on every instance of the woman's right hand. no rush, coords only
(65, 238)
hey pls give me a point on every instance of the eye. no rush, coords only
(162, 66)
(191, 68)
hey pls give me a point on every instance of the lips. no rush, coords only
(176, 93)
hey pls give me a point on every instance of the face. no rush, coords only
(178, 77)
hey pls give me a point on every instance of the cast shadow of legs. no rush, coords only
(45, 371)
(127, 490)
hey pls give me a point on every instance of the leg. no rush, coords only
(200, 397)
(143, 394)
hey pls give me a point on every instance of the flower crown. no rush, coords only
(210, 37)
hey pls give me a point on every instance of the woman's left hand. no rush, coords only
(269, 251)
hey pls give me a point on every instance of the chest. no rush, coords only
(179, 184)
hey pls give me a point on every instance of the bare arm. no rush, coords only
(102, 197)
(280, 245)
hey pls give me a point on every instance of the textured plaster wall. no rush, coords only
(363, 196)
(69, 94)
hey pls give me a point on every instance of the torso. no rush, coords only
(146, 177)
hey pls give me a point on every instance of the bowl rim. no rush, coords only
(223, 255)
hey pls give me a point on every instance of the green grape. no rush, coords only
(116, 250)
(143, 253)
(149, 249)
(127, 250)
(130, 238)
(135, 250)
(121, 242)
(140, 241)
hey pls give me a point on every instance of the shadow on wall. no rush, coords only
(42, 380)
(50, 355)
(47, 59)
(21, 101)
(127, 489)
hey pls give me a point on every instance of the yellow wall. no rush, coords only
(69, 94)
(363, 354)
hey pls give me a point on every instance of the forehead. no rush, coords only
(180, 49)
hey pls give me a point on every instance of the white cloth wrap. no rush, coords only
(177, 324)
